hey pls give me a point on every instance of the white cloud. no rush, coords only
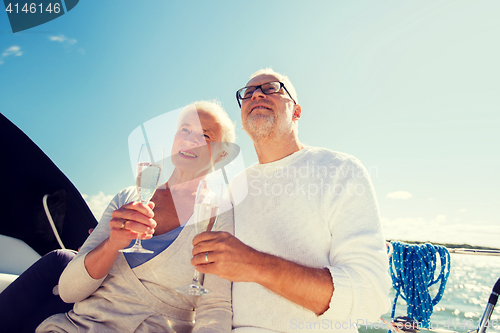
(441, 230)
(11, 51)
(399, 195)
(97, 203)
(63, 39)
(463, 210)
(440, 218)
(59, 39)
(67, 42)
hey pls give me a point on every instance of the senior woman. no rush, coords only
(136, 293)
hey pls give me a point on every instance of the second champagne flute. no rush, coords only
(206, 211)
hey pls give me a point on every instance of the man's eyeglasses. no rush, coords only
(266, 88)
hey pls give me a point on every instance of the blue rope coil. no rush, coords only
(412, 270)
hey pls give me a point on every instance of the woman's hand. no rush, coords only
(128, 221)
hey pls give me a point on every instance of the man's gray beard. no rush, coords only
(270, 129)
(260, 129)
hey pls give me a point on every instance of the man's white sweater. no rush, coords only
(317, 208)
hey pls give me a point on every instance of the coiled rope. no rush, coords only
(412, 270)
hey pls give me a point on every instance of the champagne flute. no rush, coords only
(148, 173)
(206, 210)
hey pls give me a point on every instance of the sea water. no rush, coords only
(467, 291)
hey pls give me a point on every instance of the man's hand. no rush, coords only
(231, 259)
(227, 257)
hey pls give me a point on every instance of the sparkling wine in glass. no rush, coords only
(206, 211)
(148, 175)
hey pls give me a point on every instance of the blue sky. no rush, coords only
(409, 88)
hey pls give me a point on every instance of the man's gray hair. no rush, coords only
(283, 78)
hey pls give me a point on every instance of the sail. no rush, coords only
(27, 176)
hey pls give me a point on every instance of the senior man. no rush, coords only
(308, 251)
